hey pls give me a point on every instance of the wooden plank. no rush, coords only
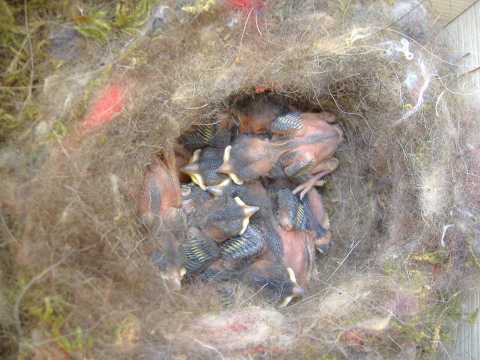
(450, 9)
(467, 333)
(463, 35)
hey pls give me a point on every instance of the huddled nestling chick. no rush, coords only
(313, 141)
(251, 213)
(256, 117)
(160, 195)
(203, 167)
(159, 206)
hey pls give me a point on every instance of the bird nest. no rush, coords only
(81, 270)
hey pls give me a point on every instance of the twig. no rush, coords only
(255, 294)
(197, 107)
(7, 230)
(346, 112)
(30, 50)
(473, 93)
(343, 260)
(404, 15)
(210, 348)
(245, 26)
(66, 153)
(256, 23)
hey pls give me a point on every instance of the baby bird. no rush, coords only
(216, 134)
(317, 221)
(291, 239)
(304, 215)
(168, 258)
(313, 141)
(218, 229)
(273, 279)
(159, 209)
(260, 236)
(199, 251)
(257, 116)
(264, 274)
(290, 210)
(203, 167)
(160, 196)
(231, 256)
(225, 188)
(250, 158)
(253, 193)
(298, 253)
(272, 262)
(219, 271)
(247, 245)
(182, 158)
(193, 197)
(223, 218)
(291, 249)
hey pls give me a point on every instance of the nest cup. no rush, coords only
(388, 201)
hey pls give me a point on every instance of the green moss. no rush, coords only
(58, 132)
(125, 17)
(51, 315)
(410, 331)
(23, 60)
(473, 260)
(201, 6)
(329, 357)
(48, 310)
(437, 257)
(453, 307)
(391, 267)
(131, 15)
(433, 324)
(24, 57)
(94, 25)
(344, 6)
(422, 154)
(416, 279)
(472, 317)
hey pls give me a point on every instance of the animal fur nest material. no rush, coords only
(87, 286)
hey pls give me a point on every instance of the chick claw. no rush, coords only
(324, 168)
(305, 187)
